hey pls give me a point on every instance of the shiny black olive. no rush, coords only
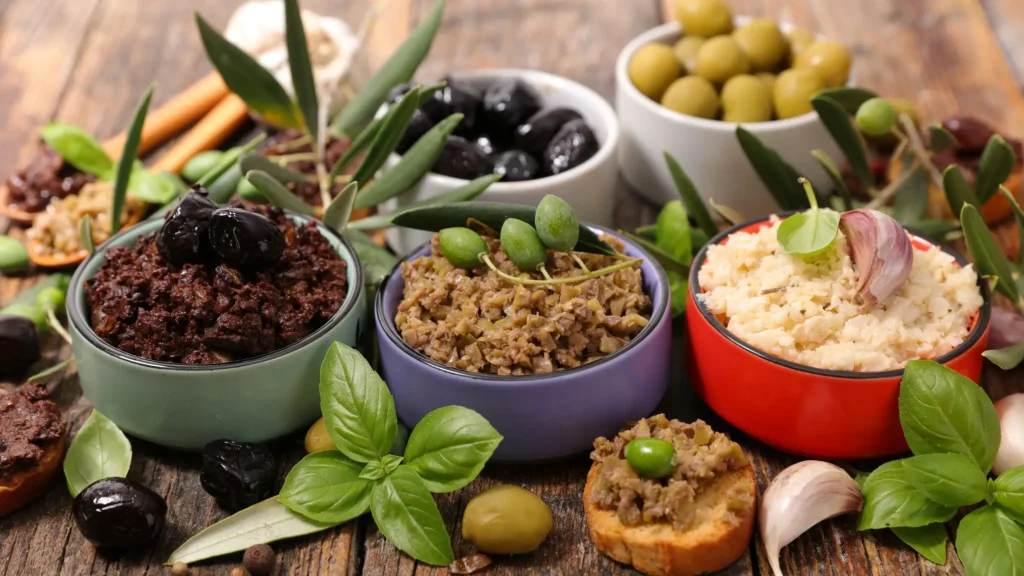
(534, 135)
(573, 145)
(454, 99)
(516, 165)
(507, 104)
(245, 239)
(461, 159)
(183, 238)
(19, 344)
(418, 126)
(487, 145)
(237, 474)
(120, 514)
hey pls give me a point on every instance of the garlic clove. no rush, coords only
(801, 496)
(881, 251)
(1011, 424)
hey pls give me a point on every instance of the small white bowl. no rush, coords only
(707, 149)
(589, 188)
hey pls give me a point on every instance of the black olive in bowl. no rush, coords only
(116, 513)
(237, 474)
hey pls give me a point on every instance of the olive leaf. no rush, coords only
(407, 515)
(57, 368)
(1018, 216)
(667, 261)
(277, 194)
(910, 204)
(937, 230)
(1006, 358)
(830, 167)
(248, 79)
(253, 161)
(928, 541)
(338, 212)
(997, 162)
(808, 233)
(949, 479)
(464, 193)
(891, 500)
(674, 232)
(396, 120)
(126, 162)
(449, 447)
(227, 161)
(358, 145)
(837, 122)
(301, 68)
(987, 256)
(940, 139)
(99, 450)
(691, 198)
(777, 175)
(1008, 493)
(85, 235)
(990, 543)
(850, 98)
(727, 213)
(399, 68)
(357, 407)
(326, 487)
(78, 148)
(958, 191)
(649, 232)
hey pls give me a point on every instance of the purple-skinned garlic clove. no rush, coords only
(881, 252)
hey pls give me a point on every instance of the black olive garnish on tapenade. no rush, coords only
(237, 474)
(184, 238)
(118, 514)
(19, 344)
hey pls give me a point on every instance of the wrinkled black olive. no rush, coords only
(183, 238)
(461, 159)
(486, 145)
(245, 239)
(573, 145)
(515, 166)
(120, 514)
(397, 92)
(454, 99)
(507, 104)
(237, 474)
(534, 135)
(418, 126)
(19, 344)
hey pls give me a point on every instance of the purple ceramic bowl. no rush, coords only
(546, 416)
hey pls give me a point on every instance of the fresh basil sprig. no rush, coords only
(79, 149)
(810, 233)
(99, 450)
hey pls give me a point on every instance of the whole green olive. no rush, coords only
(556, 222)
(462, 247)
(829, 59)
(762, 40)
(652, 68)
(248, 191)
(13, 255)
(693, 96)
(34, 313)
(769, 81)
(721, 58)
(651, 457)
(705, 18)
(799, 39)
(50, 299)
(317, 438)
(746, 98)
(522, 245)
(198, 165)
(794, 89)
(686, 50)
(876, 117)
(506, 519)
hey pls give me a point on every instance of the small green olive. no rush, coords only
(50, 299)
(705, 18)
(13, 255)
(34, 313)
(651, 457)
(506, 519)
(876, 117)
(794, 89)
(462, 247)
(198, 165)
(693, 96)
(746, 98)
(522, 245)
(317, 438)
(721, 58)
(769, 81)
(686, 50)
(762, 40)
(557, 225)
(799, 39)
(248, 191)
(652, 68)
(829, 59)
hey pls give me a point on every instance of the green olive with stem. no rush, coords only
(50, 299)
(462, 247)
(523, 245)
(556, 222)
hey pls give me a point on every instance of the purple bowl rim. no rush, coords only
(387, 325)
(980, 327)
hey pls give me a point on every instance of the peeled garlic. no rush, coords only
(1011, 425)
(800, 497)
(881, 251)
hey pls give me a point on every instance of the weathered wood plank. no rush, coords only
(1006, 17)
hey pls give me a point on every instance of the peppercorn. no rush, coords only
(259, 560)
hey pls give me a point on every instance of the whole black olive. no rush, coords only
(118, 513)
(534, 135)
(183, 238)
(19, 344)
(515, 166)
(573, 145)
(486, 145)
(507, 104)
(237, 474)
(461, 159)
(418, 126)
(454, 99)
(245, 239)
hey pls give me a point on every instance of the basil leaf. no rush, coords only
(377, 262)
(777, 175)
(940, 139)
(254, 161)
(263, 523)
(996, 164)
(1009, 493)
(277, 194)
(679, 290)
(358, 408)
(1018, 216)
(126, 162)
(300, 67)
(463, 193)
(942, 411)
(150, 187)
(399, 68)
(847, 97)
(990, 543)
(691, 198)
(326, 487)
(248, 79)
(449, 447)
(830, 167)
(837, 122)
(391, 462)
(338, 212)
(99, 450)
(949, 479)
(407, 515)
(667, 261)
(890, 500)
(85, 235)
(373, 471)
(673, 229)
(988, 257)
(958, 191)
(929, 541)
(78, 148)
(1006, 358)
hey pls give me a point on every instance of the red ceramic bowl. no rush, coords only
(798, 409)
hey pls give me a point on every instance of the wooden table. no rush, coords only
(87, 62)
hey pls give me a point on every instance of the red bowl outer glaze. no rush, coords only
(798, 409)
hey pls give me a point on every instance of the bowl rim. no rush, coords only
(605, 152)
(972, 338)
(77, 320)
(657, 34)
(387, 325)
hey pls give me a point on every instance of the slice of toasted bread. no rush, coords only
(658, 549)
(25, 486)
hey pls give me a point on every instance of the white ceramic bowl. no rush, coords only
(707, 149)
(589, 188)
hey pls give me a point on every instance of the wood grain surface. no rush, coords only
(87, 62)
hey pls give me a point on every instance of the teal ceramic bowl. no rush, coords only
(185, 407)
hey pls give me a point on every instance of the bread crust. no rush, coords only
(659, 550)
(25, 486)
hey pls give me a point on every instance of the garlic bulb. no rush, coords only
(800, 497)
(1011, 425)
(258, 28)
(881, 251)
